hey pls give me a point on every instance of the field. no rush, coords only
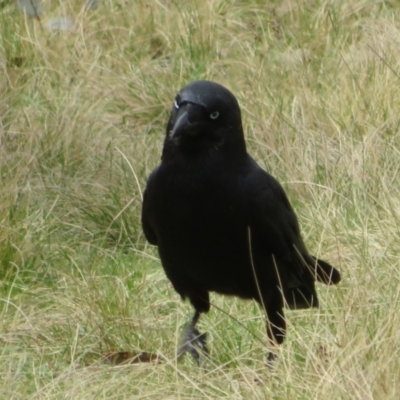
(82, 121)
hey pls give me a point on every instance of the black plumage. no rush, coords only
(220, 222)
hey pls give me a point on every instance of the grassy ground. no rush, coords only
(82, 119)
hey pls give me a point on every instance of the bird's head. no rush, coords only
(205, 116)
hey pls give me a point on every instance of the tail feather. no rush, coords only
(300, 292)
(300, 298)
(325, 273)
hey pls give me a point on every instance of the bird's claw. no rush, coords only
(192, 341)
(271, 360)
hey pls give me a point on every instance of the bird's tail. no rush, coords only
(301, 297)
(324, 272)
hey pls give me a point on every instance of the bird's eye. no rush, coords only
(214, 115)
(176, 105)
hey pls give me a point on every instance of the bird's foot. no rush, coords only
(193, 341)
(271, 360)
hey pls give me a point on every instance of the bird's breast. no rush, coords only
(202, 232)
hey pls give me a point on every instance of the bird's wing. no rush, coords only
(274, 223)
(148, 200)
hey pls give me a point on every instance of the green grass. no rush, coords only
(82, 121)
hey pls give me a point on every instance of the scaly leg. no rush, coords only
(193, 340)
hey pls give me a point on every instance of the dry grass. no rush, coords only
(82, 119)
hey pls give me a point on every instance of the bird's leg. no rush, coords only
(271, 359)
(276, 329)
(193, 339)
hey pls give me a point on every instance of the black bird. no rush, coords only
(220, 222)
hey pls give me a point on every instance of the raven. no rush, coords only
(220, 222)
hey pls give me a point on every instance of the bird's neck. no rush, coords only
(211, 155)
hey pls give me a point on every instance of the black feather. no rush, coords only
(221, 223)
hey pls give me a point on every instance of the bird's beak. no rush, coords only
(181, 124)
(188, 122)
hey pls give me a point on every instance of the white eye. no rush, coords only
(214, 115)
(176, 105)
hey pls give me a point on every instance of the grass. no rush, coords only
(82, 120)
